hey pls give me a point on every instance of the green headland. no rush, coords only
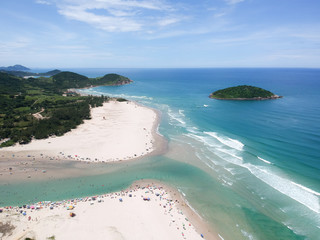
(36, 108)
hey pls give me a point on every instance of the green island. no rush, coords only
(36, 108)
(243, 92)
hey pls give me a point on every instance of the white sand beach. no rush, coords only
(116, 131)
(147, 211)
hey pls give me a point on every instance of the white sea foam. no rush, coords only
(297, 192)
(140, 97)
(220, 237)
(211, 143)
(227, 141)
(132, 96)
(226, 182)
(246, 234)
(264, 160)
(307, 189)
(231, 170)
(176, 117)
(229, 156)
(183, 194)
(181, 112)
(186, 201)
(283, 210)
(158, 132)
(217, 147)
(192, 130)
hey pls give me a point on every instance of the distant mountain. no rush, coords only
(31, 74)
(16, 67)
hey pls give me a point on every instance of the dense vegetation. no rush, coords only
(243, 92)
(35, 108)
(74, 80)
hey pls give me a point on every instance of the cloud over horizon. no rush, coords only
(160, 33)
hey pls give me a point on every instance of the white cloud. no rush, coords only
(168, 21)
(232, 2)
(117, 15)
(108, 23)
(43, 2)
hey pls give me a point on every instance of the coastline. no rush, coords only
(25, 157)
(117, 131)
(145, 210)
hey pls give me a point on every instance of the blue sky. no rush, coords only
(160, 33)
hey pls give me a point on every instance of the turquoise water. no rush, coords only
(252, 169)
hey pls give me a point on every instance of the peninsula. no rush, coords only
(36, 108)
(243, 92)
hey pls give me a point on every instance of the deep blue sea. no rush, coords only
(251, 168)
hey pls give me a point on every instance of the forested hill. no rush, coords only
(36, 108)
(243, 92)
(73, 80)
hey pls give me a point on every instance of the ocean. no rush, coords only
(250, 168)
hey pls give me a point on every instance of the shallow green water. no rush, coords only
(226, 211)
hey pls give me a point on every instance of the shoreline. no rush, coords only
(161, 205)
(159, 145)
(118, 131)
